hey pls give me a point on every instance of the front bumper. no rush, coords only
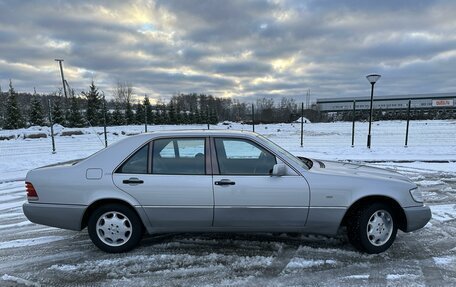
(56, 215)
(417, 217)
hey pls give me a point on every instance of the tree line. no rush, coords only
(90, 108)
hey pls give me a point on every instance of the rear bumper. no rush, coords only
(56, 215)
(417, 217)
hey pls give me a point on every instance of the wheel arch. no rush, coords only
(397, 209)
(100, 202)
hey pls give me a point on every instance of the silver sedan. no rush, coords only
(219, 181)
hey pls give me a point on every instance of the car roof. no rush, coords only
(199, 132)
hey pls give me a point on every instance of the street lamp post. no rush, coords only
(373, 78)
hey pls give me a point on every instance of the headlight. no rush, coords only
(416, 194)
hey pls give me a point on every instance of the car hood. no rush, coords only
(343, 168)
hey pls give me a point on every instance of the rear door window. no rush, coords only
(179, 156)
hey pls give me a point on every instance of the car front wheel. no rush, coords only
(115, 228)
(373, 228)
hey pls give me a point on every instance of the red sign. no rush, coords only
(442, 103)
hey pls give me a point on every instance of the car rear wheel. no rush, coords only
(373, 228)
(115, 228)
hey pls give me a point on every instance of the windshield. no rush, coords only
(290, 156)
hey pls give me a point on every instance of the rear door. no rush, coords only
(171, 179)
(245, 193)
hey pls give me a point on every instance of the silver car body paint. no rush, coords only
(303, 200)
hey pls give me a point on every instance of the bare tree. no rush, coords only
(123, 94)
(265, 109)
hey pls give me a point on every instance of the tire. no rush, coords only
(115, 228)
(372, 228)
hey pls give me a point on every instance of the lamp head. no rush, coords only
(372, 78)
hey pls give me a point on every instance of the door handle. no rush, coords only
(224, 182)
(133, 180)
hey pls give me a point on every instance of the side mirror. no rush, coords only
(279, 169)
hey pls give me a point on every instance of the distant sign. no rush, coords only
(442, 103)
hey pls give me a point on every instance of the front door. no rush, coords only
(172, 182)
(247, 195)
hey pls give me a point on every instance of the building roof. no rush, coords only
(390, 97)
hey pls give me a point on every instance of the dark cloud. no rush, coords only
(245, 68)
(238, 48)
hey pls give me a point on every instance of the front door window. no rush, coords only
(243, 157)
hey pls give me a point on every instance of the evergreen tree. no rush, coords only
(152, 117)
(57, 111)
(185, 119)
(13, 117)
(74, 115)
(148, 108)
(179, 119)
(213, 120)
(109, 118)
(198, 118)
(158, 118)
(129, 115)
(93, 114)
(139, 115)
(191, 118)
(104, 113)
(172, 114)
(117, 115)
(36, 117)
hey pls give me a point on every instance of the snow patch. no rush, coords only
(449, 189)
(18, 280)
(10, 205)
(443, 213)
(175, 264)
(360, 276)
(301, 263)
(12, 225)
(444, 260)
(400, 276)
(30, 241)
(9, 197)
(12, 214)
(427, 183)
(304, 249)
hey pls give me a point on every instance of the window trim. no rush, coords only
(207, 163)
(254, 143)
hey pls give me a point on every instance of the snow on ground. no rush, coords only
(34, 255)
(428, 140)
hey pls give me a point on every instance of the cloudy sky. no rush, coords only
(238, 49)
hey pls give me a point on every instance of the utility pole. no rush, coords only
(104, 121)
(408, 122)
(207, 118)
(353, 123)
(145, 118)
(52, 126)
(63, 84)
(308, 99)
(302, 123)
(253, 118)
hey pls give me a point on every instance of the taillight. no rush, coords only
(31, 192)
